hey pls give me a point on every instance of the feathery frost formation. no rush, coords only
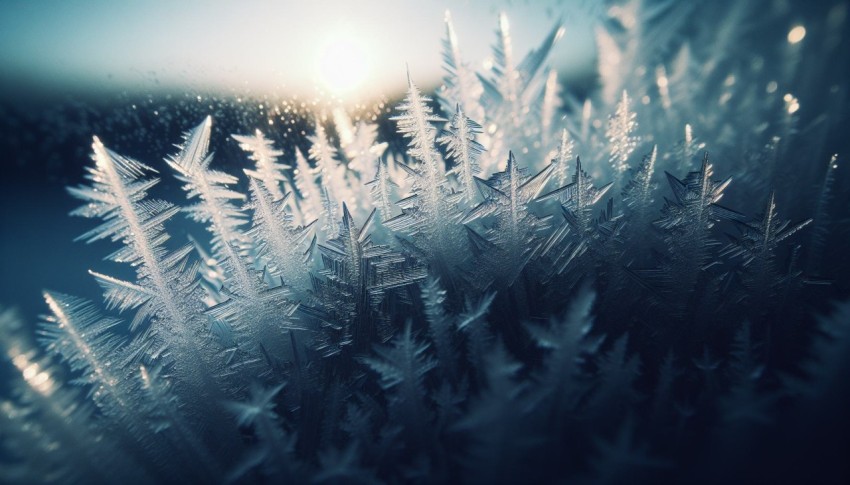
(512, 297)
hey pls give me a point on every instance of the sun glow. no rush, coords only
(343, 64)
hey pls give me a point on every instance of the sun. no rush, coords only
(343, 64)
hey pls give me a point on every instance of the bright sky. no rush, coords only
(346, 47)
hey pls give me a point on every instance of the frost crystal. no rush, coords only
(430, 213)
(820, 231)
(638, 194)
(381, 189)
(516, 232)
(550, 103)
(333, 174)
(571, 239)
(509, 90)
(268, 170)
(620, 134)
(758, 245)
(461, 88)
(360, 143)
(310, 193)
(164, 288)
(80, 336)
(415, 122)
(687, 221)
(459, 139)
(563, 157)
(578, 198)
(277, 239)
(245, 289)
(357, 275)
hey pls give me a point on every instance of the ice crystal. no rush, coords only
(357, 274)
(216, 205)
(77, 334)
(381, 190)
(431, 212)
(360, 143)
(687, 221)
(821, 214)
(550, 104)
(460, 143)
(279, 241)
(578, 198)
(563, 157)
(461, 89)
(509, 90)
(758, 245)
(268, 170)
(638, 196)
(334, 176)
(310, 195)
(620, 134)
(117, 195)
(245, 290)
(516, 233)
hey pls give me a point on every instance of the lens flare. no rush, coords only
(343, 65)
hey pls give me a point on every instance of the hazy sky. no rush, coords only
(351, 47)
